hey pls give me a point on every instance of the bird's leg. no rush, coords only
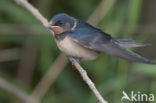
(73, 60)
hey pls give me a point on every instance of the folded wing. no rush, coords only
(104, 43)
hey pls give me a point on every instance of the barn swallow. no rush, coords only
(81, 40)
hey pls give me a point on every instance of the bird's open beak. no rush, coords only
(50, 25)
(55, 29)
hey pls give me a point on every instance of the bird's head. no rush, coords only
(62, 23)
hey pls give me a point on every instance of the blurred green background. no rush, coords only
(27, 51)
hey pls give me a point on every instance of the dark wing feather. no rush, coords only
(97, 40)
(129, 43)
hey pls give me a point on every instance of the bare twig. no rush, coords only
(87, 80)
(35, 12)
(16, 91)
(48, 79)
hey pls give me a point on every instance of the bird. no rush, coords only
(81, 40)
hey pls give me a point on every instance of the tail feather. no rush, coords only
(131, 56)
(130, 43)
(114, 49)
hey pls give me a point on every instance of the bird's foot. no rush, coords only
(73, 60)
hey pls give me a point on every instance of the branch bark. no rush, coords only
(33, 11)
(87, 80)
(83, 73)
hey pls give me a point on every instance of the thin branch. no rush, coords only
(87, 80)
(48, 79)
(33, 11)
(83, 73)
(16, 91)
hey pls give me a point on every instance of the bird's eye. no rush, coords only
(58, 23)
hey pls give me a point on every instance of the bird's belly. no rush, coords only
(71, 48)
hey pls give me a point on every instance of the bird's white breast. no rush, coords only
(71, 48)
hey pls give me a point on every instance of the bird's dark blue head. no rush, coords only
(61, 23)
